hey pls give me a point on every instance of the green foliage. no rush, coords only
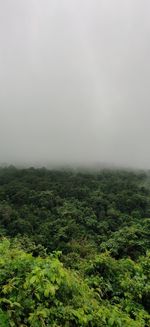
(129, 241)
(55, 207)
(76, 251)
(40, 292)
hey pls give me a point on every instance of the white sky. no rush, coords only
(75, 82)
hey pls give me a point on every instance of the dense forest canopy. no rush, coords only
(74, 248)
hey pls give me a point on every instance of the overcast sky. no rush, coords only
(75, 82)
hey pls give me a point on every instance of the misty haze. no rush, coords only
(74, 163)
(74, 82)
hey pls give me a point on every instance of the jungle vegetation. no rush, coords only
(74, 248)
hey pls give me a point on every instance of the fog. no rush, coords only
(74, 82)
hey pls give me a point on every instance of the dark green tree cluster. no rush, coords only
(74, 248)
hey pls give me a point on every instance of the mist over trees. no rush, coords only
(74, 99)
(74, 82)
